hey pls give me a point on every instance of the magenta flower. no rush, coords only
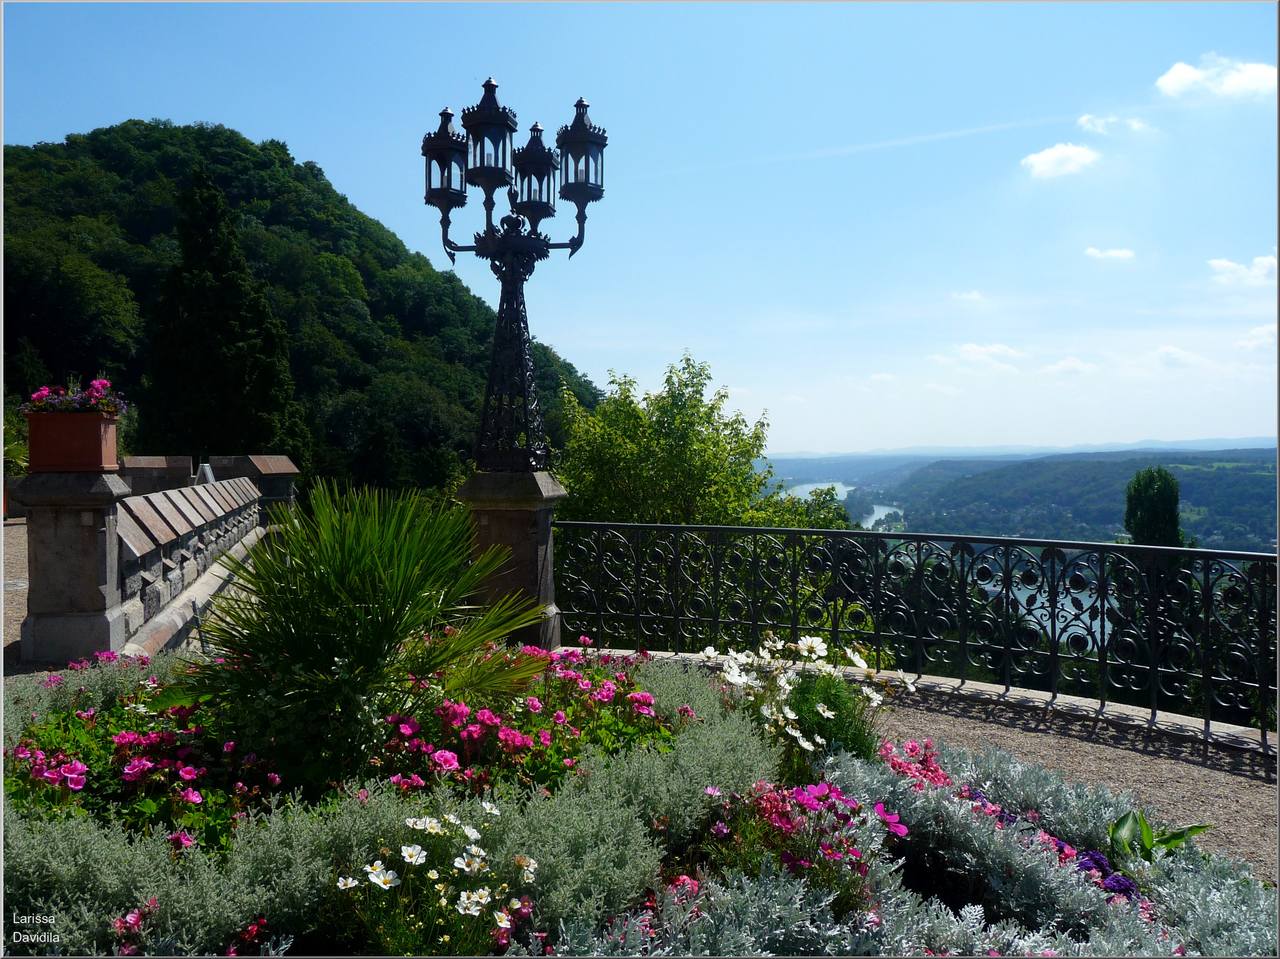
(560, 718)
(445, 760)
(86, 714)
(74, 773)
(534, 704)
(192, 796)
(544, 737)
(273, 778)
(473, 731)
(188, 773)
(585, 641)
(890, 821)
(52, 682)
(605, 693)
(180, 839)
(686, 711)
(229, 746)
(489, 718)
(720, 830)
(137, 768)
(712, 790)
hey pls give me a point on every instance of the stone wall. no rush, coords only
(171, 538)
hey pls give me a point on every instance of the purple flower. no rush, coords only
(1120, 884)
(1092, 859)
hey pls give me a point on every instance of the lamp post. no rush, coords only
(512, 495)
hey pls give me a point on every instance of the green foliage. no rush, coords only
(1131, 835)
(852, 724)
(388, 355)
(15, 438)
(338, 611)
(676, 456)
(1151, 508)
(214, 309)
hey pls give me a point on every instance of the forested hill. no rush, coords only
(1228, 497)
(388, 355)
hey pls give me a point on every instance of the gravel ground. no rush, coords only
(1180, 781)
(15, 588)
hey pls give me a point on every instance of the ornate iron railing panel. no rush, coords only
(1183, 630)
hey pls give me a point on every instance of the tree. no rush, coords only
(675, 456)
(1151, 508)
(220, 379)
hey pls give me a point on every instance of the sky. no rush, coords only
(882, 225)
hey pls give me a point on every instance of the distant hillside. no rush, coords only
(389, 355)
(1228, 497)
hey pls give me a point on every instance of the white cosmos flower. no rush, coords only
(804, 744)
(812, 647)
(490, 808)
(384, 878)
(789, 713)
(470, 833)
(911, 687)
(824, 712)
(709, 654)
(476, 851)
(451, 818)
(347, 882)
(502, 919)
(819, 740)
(472, 903)
(432, 825)
(794, 733)
(138, 708)
(432, 874)
(876, 698)
(514, 904)
(469, 864)
(857, 660)
(413, 855)
(376, 867)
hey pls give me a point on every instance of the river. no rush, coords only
(878, 510)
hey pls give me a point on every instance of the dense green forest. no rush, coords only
(1228, 497)
(388, 356)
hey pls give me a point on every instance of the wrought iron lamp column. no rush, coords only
(512, 496)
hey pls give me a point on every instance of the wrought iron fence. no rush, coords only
(1183, 630)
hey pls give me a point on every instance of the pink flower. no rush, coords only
(74, 772)
(560, 718)
(605, 693)
(412, 781)
(229, 746)
(445, 759)
(273, 778)
(52, 682)
(720, 830)
(192, 796)
(188, 773)
(78, 664)
(489, 718)
(137, 768)
(534, 704)
(473, 731)
(569, 763)
(686, 711)
(513, 740)
(455, 714)
(180, 839)
(712, 790)
(363, 796)
(106, 657)
(585, 641)
(890, 820)
(544, 737)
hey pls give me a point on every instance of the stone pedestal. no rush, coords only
(515, 510)
(73, 565)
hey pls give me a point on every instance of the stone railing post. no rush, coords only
(73, 565)
(515, 510)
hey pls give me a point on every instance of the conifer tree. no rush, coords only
(220, 381)
(1151, 508)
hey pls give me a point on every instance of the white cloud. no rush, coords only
(1069, 364)
(975, 351)
(882, 377)
(1259, 337)
(969, 296)
(1059, 160)
(1104, 125)
(1116, 254)
(1218, 76)
(988, 357)
(1261, 272)
(1178, 358)
(942, 388)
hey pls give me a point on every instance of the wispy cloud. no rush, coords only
(1218, 76)
(1259, 338)
(990, 357)
(1060, 159)
(969, 296)
(1119, 253)
(1069, 365)
(1104, 125)
(1261, 272)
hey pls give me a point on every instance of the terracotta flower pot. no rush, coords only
(71, 443)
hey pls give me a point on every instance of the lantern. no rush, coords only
(536, 166)
(446, 156)
(489, 129)
(581, 145)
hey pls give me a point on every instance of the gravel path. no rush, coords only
(1181, 782)
(15, 587)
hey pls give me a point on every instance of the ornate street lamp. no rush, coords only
(511, 437)
(511, 495)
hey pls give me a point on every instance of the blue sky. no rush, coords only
(873, 220)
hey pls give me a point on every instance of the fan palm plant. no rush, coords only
(364, 605)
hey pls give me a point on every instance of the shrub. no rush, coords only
(830, 711)
(336, 615)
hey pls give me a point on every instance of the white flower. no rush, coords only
(413, 823)
(376, 867)
(138, 708)
(858, 660)
(346, 882)
(469, 864)
(819, 740)
(502, 919)
(789, 713)
(514, 904)
(470, 833)
(476, 851)
(432, 874)
(811, 646)
(451, 818)
(413, 855)
(528, 864)
(490, 808)
(709, 654)
(911, 687)
(876, 698)
(384, 878)
(824, 712)
(471, 903)
(432, 825)
(793, 732)
(804, 744)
